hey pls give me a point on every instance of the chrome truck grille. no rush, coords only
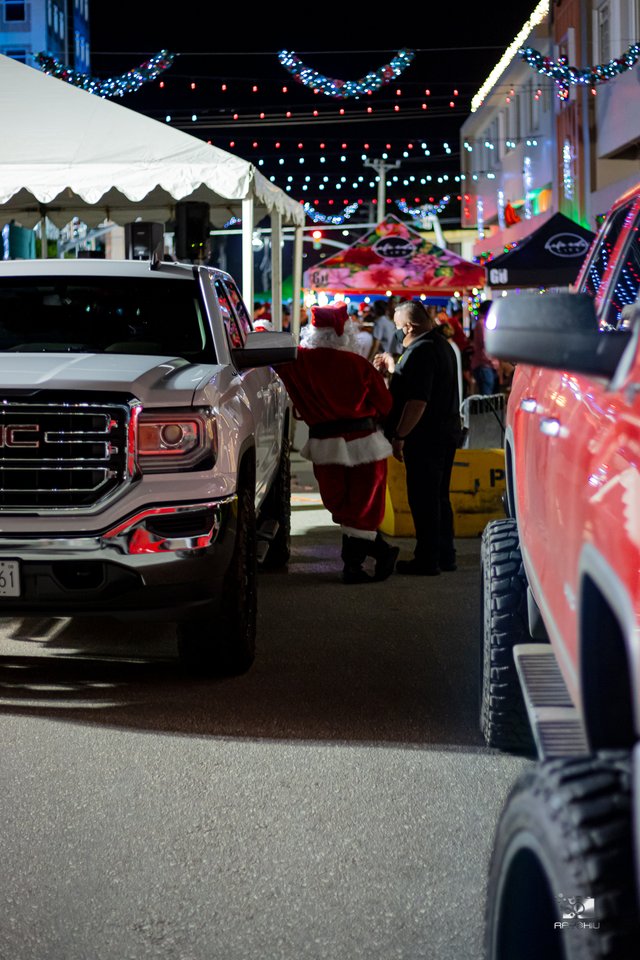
(61, 455)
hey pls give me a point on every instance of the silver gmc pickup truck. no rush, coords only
(144, 454)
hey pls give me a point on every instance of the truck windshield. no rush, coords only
(153, 316)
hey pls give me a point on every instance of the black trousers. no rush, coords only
(428, 467)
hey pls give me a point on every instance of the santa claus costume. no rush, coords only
(343, 399)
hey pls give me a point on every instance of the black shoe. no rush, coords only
(355, 550)
(417, 569)
(385, 556)
(353, 574)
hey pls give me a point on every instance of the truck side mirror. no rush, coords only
(558, 330)
(265, 349)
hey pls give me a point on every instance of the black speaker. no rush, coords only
(143, 238)
(192, 229)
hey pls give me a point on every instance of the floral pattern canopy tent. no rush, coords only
(394, 258)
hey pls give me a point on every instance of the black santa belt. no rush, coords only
(337, 428)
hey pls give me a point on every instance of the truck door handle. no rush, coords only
(550, 427)
(529, 405)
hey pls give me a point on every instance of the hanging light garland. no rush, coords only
(128, 82)
(318, 217)
(428, 210)
(566, 75)
(342, 89)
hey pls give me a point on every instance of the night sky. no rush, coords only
(235, 47)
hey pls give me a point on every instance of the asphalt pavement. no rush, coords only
(336, 802)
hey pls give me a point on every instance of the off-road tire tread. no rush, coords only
(582, 807)
(225, 645)
(503, 716)
(278, 507)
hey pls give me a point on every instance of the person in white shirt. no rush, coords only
(364, 338)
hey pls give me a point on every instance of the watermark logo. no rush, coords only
(566, 245)
(576, 912)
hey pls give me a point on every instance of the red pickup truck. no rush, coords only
(560, 665)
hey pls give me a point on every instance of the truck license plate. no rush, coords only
(9, 578)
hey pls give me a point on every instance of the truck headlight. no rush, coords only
(168, 442)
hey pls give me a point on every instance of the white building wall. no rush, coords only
(617, 108)
(512, 140)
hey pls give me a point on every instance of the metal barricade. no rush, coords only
(483, 419)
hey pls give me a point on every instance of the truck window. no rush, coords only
(626, 285)
(239, 307)
(151, 316)
(602, 253)
(228, 315)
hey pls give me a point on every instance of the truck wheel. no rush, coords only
(225, 644)
(277, 506)
(503, 716)
(564, 838)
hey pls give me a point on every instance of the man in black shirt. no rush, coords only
(425, 430)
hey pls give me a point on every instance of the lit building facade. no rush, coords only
(57, 27)
(527, 153)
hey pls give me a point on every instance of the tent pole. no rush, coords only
(276, 269)
(247, 253)
(44, 252)
(297, 281)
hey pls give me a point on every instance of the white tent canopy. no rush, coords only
(65, 152)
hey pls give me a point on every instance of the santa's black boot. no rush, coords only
(355, 550)
(385, 556)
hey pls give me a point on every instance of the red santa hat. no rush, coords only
(334, 316)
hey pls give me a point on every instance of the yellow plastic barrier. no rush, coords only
(477, 486)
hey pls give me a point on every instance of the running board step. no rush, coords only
(557, 726)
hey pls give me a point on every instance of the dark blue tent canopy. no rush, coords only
(549, 257)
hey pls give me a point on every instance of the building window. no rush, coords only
(15, 11)
(15, 53)
(603, 33)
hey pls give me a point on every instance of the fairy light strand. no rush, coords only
(128, 82)
(564, 75)
(343, 89)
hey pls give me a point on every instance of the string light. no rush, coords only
(568, 179)
(128, 82)
(342, 89)
(528, 184)
(538, 15)
(335, 219)
(565, 75)
(428, 210)
(480, 217)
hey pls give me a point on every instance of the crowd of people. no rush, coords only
(378, 382)
(386, 379)
(377, 333)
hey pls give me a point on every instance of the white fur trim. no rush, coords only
(311, 337)
(347, 453)
(360, 534)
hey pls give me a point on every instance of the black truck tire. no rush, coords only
(565, 834)
(225, 644)
(277, 507)
(503, 716)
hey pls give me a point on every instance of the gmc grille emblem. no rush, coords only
(9, 435)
